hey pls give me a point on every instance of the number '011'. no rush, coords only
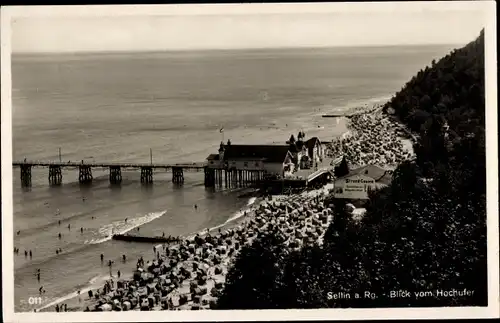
(35, 300)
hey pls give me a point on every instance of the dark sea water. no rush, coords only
(116, 107)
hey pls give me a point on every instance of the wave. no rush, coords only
(121, 227)
(236, 216)
(241, 213)
(251, 201)
(74, 216)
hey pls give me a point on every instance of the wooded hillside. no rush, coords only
(426, 232)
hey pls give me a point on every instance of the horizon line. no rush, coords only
(123, 51)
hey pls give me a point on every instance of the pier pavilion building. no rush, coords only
(298, 162)
(306, 153)
(245, 164)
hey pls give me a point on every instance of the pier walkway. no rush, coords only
(115, 176)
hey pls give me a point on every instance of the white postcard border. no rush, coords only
(489, 7)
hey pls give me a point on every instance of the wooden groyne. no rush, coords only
(136, 238)
(350, 115)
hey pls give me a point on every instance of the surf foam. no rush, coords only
(236, 216)
(121, 227)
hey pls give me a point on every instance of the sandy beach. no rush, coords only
(373, 138)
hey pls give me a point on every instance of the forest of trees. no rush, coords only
(424, 232)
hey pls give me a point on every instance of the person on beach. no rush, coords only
(124, 258)
(196, 207)
(57, 307)
(102, 257)
(126, 219)
(31, 254)
(18, 232)
(119, 274)
(110, 264)
(40, 290)
(57, 251)
(38, 276)
(81, 230)
(59, 222)
(92, 217)
(69, 226)
(60, 235)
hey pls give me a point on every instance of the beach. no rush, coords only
(373, 138)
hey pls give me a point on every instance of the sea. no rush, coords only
(171, 107)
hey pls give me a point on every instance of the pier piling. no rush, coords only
(25, 175)
(115, 174)
(209, 177)
(55, 175)
(85, 174)
(177, 175)
(147, 175)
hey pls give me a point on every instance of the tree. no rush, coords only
(251, 282)
(342, 169)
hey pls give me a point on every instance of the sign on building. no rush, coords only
(354, 187)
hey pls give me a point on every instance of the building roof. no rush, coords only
(270, 153)
(385, 179)
(312, 141)
(310, 145)
(213, 157)
(378, 173)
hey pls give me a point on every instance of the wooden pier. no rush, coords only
(232, 177)
(115, 171)
(215, 177)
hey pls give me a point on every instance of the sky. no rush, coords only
(220, 27)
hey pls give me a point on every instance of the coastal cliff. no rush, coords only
(422, 241)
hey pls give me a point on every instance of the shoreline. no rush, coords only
(237, 222)
(75, 305)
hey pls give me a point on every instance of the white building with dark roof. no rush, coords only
(271, 159)
(360, 181)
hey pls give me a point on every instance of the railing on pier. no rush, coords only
(107, 165)
(115, 169)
